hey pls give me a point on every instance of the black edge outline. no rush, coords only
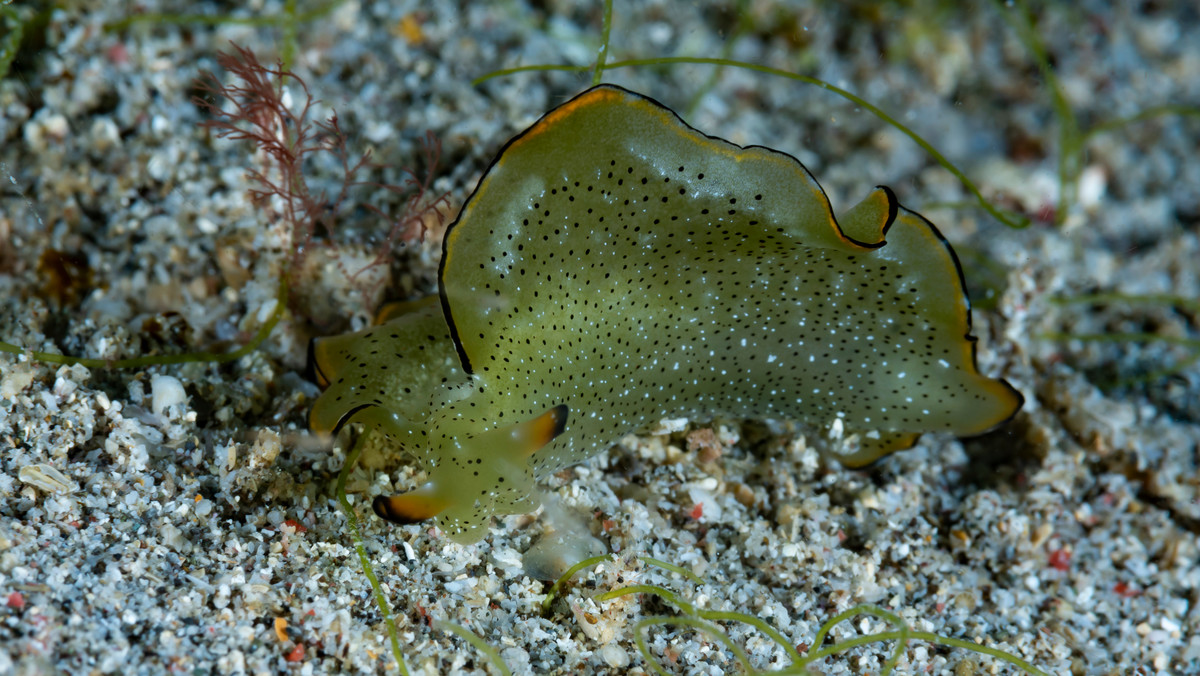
(562, 414)
(893, 211)
(379, 512)
(387, 516)
(375, 507)
(313, 370)
(971, 339)
(894, 207)
(448, 315)
(345, 419)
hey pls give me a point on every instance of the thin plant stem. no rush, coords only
(10, 40)
(1192, 344)
(562, 581)
(937, 639)
(1007, 218)
(1070, 141)
(1191, 304)
(661, 592)
(289, 22)
(476, 641)
(1125, 337)
(1149, 113)
(673, 568)
(363, 559)
(778, 638)
(605, 34)
(222, 19)
(902, 634)
(743, 23)
(696, 623)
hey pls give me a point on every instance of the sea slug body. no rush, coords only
(615, 267)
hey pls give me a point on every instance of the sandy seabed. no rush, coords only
(180, 518)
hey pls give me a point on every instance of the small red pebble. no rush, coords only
(296, 654)
(939, 606)
(118, 54)
(16, 600)
(697, 511)
(1125, 591)
(1060, 559)
(296, 525)
(424, 615)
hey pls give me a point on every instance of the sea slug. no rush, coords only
(615, 267)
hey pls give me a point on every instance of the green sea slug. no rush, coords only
(615, 267)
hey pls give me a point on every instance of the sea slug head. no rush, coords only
(473, 475)
(403, 379)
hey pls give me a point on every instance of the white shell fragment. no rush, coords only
(166, 391)
(47, 478)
